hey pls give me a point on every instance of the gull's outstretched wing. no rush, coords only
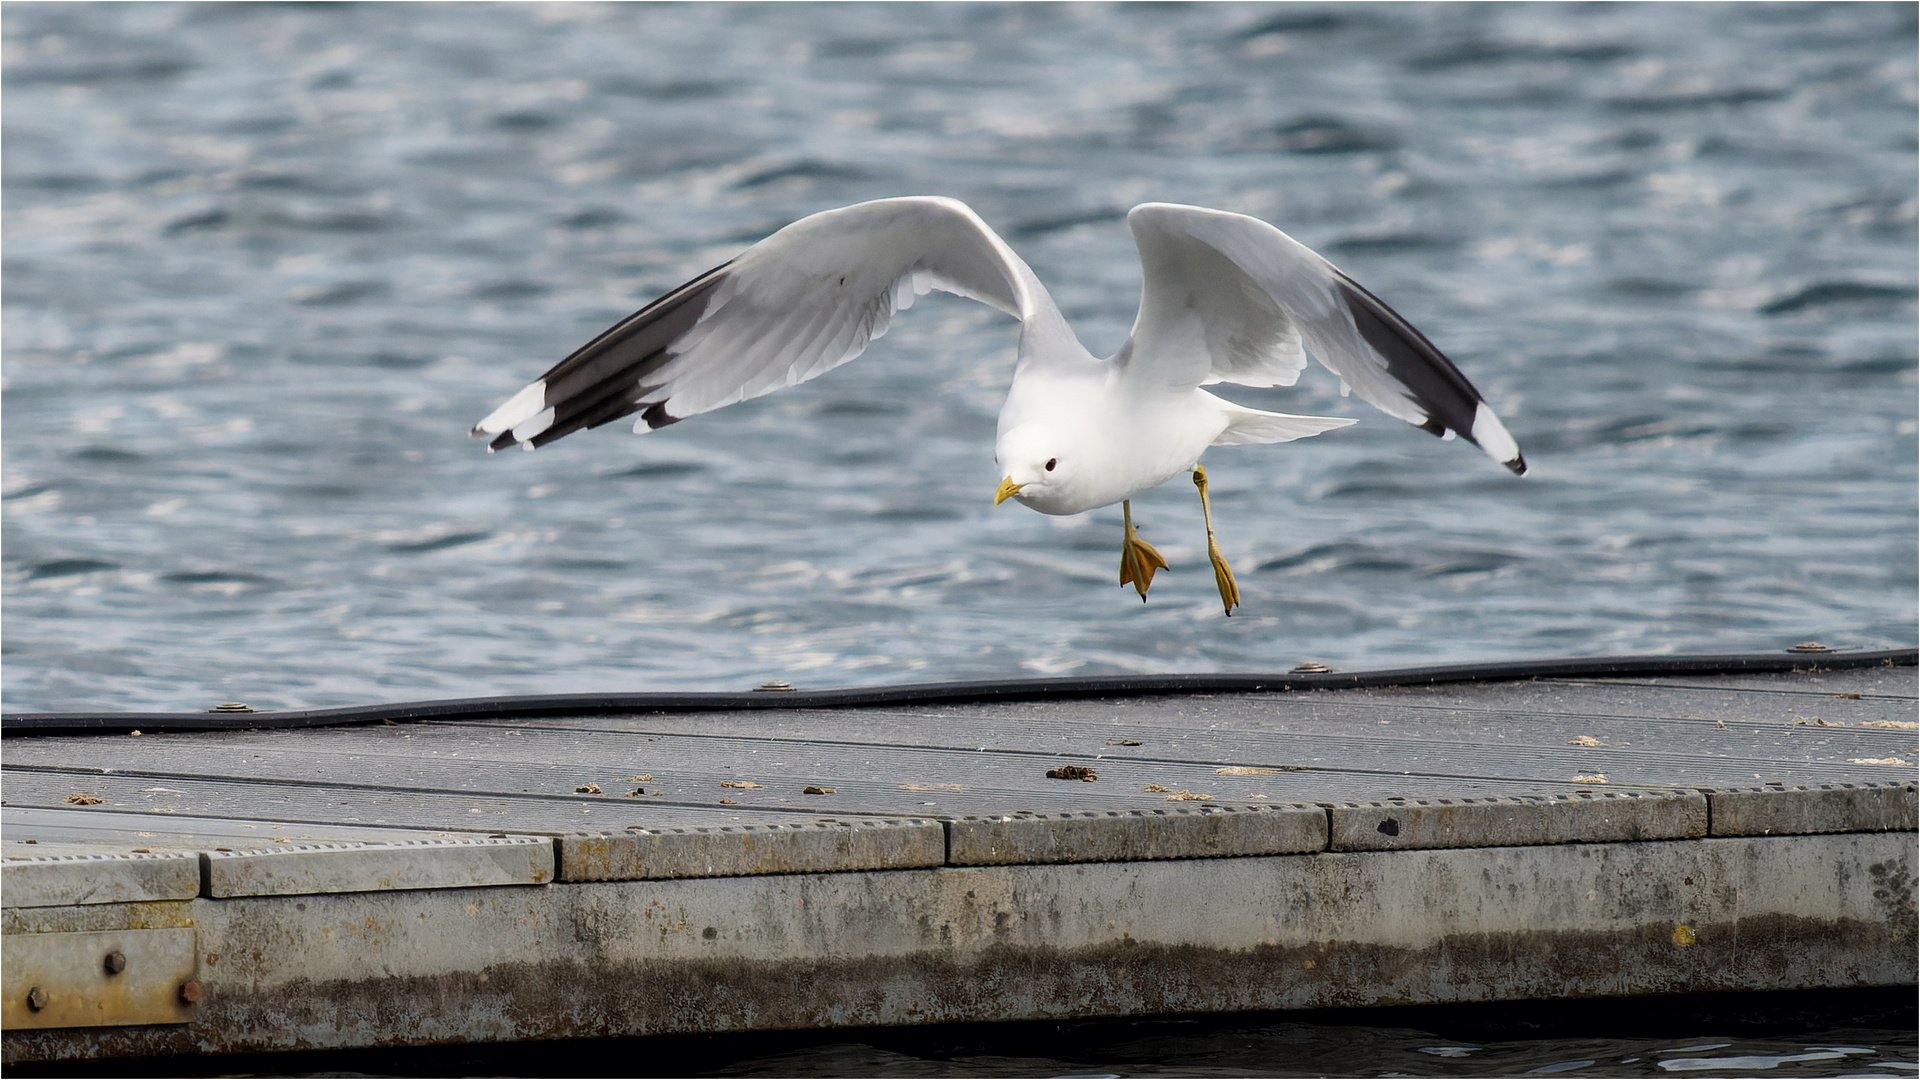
(1230, 298)
(797, 304)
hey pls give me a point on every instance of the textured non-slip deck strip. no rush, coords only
(1587, 817)
(1122, 836)
(111, 877)
(1797, 811)
(606, 874)
(738, 850)
(415, 864)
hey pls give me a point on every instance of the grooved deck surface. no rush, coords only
(1534, 738)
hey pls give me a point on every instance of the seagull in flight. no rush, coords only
(1226, 299)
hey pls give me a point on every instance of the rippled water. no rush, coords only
(264, 265)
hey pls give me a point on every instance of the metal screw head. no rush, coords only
(190, 992)
(774, 685)
(1809, 646)
(36, 999)
(231, 706)
(116, 962)
(1311, 667)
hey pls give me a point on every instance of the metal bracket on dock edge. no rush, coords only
(105, 978)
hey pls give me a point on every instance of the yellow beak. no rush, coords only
(1008, 489)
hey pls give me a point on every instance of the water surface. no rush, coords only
(265, 265)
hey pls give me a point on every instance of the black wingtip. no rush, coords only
(1518, 465)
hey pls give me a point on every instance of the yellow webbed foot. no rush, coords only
(1223, 578)
(1138, 559)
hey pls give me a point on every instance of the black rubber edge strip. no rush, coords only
(951, 693)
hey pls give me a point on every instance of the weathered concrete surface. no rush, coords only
(1829, 808)
(1121, 835)
(62, 876)
(734, 850)
(1584, 817)
(414, 864)
(1014, 942)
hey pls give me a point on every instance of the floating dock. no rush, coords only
(643, 864)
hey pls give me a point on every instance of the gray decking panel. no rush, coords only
(436, 810)
(430, 811)
(1502, 739)
(1481, 741)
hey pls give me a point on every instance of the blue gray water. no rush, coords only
(265, 265)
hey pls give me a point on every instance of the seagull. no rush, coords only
(1226, 299)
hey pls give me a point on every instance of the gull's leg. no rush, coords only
(1222, 574)
(1138, 560)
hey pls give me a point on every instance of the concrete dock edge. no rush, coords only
(982, 943)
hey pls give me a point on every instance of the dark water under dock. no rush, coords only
(1784, 1035)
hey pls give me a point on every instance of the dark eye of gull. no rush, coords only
(1051, 462)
